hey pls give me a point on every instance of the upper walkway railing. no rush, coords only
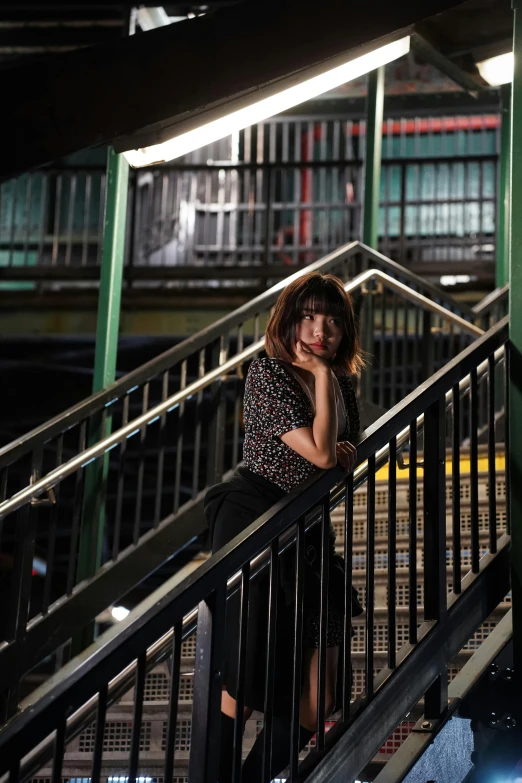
(427, 422)
(181, 435)
(438, 213)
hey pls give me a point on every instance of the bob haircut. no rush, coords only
(322, 294)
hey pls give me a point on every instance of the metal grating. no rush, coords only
(117, 737)
(183, 735)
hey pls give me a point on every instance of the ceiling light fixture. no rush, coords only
(497, 70)
(269, 106)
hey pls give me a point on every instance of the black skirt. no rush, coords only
(230, 507)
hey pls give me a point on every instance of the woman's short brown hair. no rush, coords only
(323, 294)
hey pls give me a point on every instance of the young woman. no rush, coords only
(300, 414)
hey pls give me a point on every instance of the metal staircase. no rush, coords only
(87, 721)
(175, 428)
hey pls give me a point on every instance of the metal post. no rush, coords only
(515, 354)
(89, 556)
(372, 172)
(503, 233)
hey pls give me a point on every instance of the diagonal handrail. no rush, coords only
(103, 399)
(118, 647)
(135, 426)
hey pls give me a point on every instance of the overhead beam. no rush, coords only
(97, 95)
(431, 55)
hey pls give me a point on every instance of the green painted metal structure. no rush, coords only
(372, 174)
(107, 328)
(503, 230)
(515, 353)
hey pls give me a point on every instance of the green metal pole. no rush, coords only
(503, 232)
(515, 353)
(372, 172)
(107, 327)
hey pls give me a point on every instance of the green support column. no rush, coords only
(503, 230)
(515, 332)
(107, 327)
(372, 170)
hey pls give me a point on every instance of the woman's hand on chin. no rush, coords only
(306, 359)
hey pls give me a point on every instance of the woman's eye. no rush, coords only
(308, 316)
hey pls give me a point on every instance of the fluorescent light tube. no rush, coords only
(267, 107)
(497, 70)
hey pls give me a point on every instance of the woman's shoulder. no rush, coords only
(266, 366)
(269, 370)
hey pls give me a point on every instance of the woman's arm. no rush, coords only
(317, 443)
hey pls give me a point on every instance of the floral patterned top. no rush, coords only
(276, 403)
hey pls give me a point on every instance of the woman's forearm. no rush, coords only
(324, 428)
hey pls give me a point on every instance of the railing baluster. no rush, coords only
(405, 361)
(382, 354)
(492, 473)
(56, 227)
(121, 483)
(370, 575)
(70, 219)
(137, 717)
(473, 471)
(394, 339)
(206, 711)
(412, 548)
(101, 718)
(392, 552)
(240, 690)
(42, 219)
(77, 512)
(348, 571)
(197, 436)
(237, 400)
(323, 622)
(51, 535)
(59, 751)
(141, 467)
(170, 745)
(435, 601)
(86, 220)
(298, 649)
(270, 659)
(179, 440)
(161, 451)
(27, 218)
(455, 491)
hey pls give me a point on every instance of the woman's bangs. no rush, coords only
(324, 301)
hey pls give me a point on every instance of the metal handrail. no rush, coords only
(161, 648)
(189, 346)
(490, 300)
(133, 427)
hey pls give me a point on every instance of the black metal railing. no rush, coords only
(427, 424)
(176, 429)
(438, 217)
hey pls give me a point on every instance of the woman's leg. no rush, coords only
(228, 715)
(281, 727)
(308, 710)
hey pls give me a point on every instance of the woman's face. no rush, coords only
(321, 333)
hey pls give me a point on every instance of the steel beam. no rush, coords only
(514, 469)
(431, 55)
(504, 200)
(108, 321)
(98, 94)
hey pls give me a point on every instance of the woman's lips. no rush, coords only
(322, 346)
